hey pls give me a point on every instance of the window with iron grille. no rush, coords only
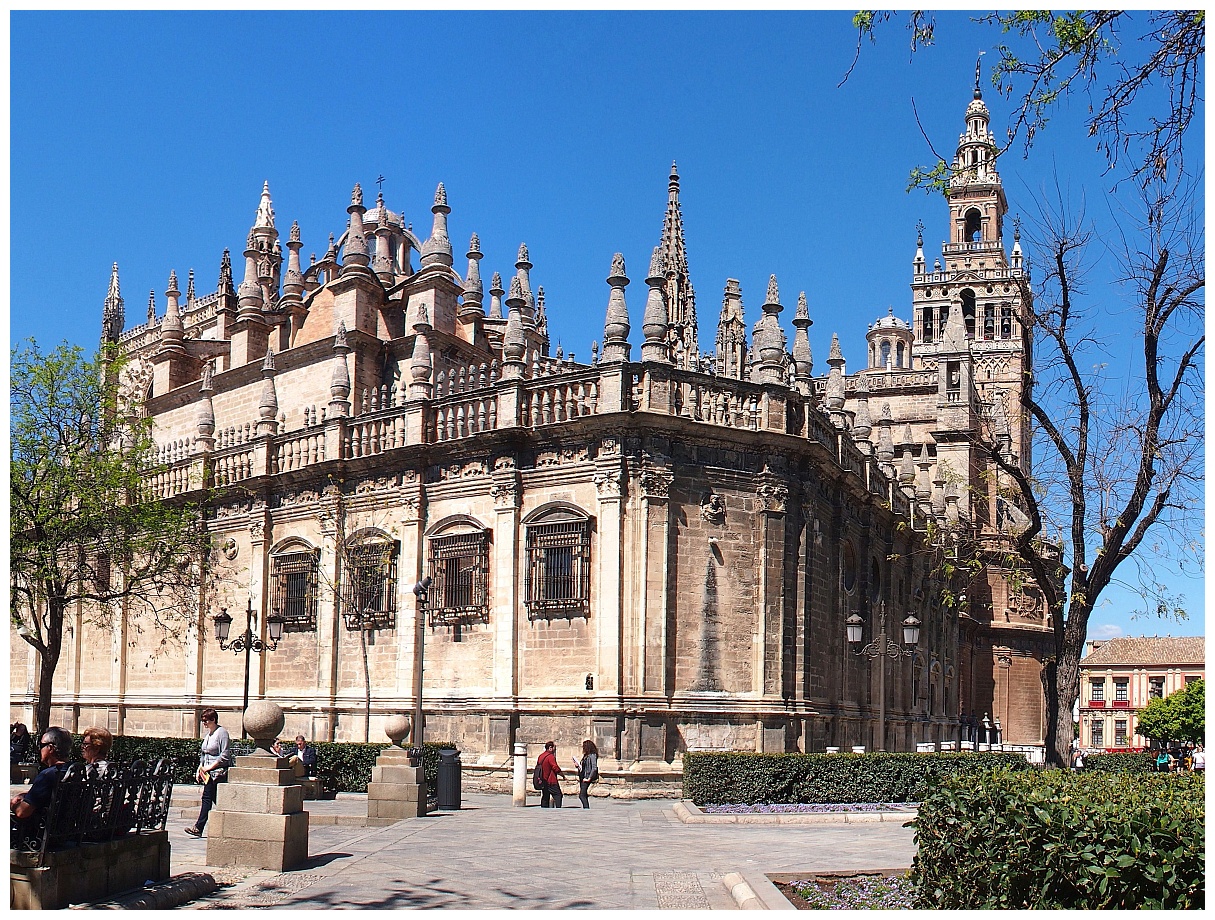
(1098, 691)
(459, 565)
(1120, 733)
(1120, 690)
(295, 589)
(1098, 734)
(559, 570)
(369, 595)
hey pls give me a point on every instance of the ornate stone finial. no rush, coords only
(773, 292)
(978, 71)
(657, 266)
(356, 196)
(617, 268)
(437, 248)
(495, 296)
(172, 289)
(919, 233)
(295, 232)
(474, 245)
(265, 210)
(514, 346)
(656, 322)
(616, 326)
(522, 260)
(190, 286)
(207, 371)
(441, 197)
(397, 728)
(114, 293)
(339, 340)
(339, 381)
(268, 361)
(803, 364)
(151, 308)
(835, 354)
(113, 316)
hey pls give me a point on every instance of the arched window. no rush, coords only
(973, 231)
(848, 567)
(1006, 322)
(885, 353)
(369, 580)
(558, 563)
(968, 312)
(294, 566)
(459, 565)
(898, 361)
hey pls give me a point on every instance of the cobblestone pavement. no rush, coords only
(618, 854)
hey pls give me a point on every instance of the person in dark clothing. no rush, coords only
(551, 773)
(303, 756)
(19, 742)
(588, 771)
(28, 809)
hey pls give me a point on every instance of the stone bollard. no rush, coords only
(518, 796)
(398, 782)
(259, 819)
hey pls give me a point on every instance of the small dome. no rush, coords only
(890, 321)
(976, 107)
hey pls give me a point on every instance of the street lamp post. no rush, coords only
(879, 649)
(421, 591)
(247, 642)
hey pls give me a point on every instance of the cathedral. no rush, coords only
(661, 548)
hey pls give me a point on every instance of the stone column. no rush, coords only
(607, 480)
(398, 783)
(259, 819)
(505, 618)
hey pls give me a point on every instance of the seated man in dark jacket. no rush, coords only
(28, 809)
(303, 758)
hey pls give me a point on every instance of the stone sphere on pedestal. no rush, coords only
(397, 728)
(263, 723)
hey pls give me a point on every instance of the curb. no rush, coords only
(689, 813)
(755, 892)
(173, 892)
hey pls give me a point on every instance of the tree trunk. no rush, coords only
(48, 664)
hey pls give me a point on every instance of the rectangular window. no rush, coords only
(1120, 690)
(926, 326)
(1098, 734)
(101, 572)
(989, 322)
(1098, 691)
(1006, 323)
(459, 565)
(1155, 688)
(558, 570)
(369, 598)
(295, 589)
(1120, 733)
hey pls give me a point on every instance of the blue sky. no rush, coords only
(144, 139)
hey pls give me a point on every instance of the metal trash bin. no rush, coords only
(448, 786)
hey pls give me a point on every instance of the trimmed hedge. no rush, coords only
(347, 765)
(1121, 763)
(737, 778)
(1054, 840)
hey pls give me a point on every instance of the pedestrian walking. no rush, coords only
(1200, 760)
(588, 771)
(214, 759)
(550, 774)
(1162, 761)
(1078, 762)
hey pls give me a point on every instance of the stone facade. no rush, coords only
(657, 554)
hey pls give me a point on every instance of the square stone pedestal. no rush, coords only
(259, 819)
(397, 790)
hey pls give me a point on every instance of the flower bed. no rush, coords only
(872, 891)
(807, 809)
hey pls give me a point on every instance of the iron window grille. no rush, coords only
(1120, 736)
(1098, 691)
(459, 565)
(369, 595)
(1120, 690)
(295, 589)
(1098, 734)
(559, 570)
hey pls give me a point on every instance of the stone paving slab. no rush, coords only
(619, 854)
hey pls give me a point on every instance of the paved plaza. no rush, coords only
(623, 854)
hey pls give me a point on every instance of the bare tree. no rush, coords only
(1121, 458)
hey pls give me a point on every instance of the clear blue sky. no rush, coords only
(144, 139)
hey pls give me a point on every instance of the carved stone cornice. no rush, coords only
(773, 497)
(656, 484)
(608, 484)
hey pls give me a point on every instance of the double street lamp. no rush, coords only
(879, 649)
(247, 642)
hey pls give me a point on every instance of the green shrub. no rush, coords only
(1122, 763)
(347, 765)
(1054, 840)
(737, 778)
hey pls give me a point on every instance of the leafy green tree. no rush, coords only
(85, 534)
(1179, 717)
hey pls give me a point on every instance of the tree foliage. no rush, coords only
(83, 537)
(1140, 72)
(1178, 717)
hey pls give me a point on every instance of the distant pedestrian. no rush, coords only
(1162, 761)
(214, 759)
(588, 771)
(1200, 760)
(550, 773)
(19, 742)
(303, 758)
(1078, 762)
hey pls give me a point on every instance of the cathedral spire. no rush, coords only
(113, 315)
(265, 209)
(655, 323)
(803, 362)
(616, 326)
(523, 267)
(339, 380)
(267, 407)
(437, 249)
(172, 331)
(495, 296)
(731, 343)
(293, 281)
(835, 376)
(681, 298)
(768, 339)
(206, 411)
(474, 292)
(225, 285)
(514, 346)
(355, 257)
(250, 293)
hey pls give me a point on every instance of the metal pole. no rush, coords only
(248, 659)
(419, 637)
(882, 687)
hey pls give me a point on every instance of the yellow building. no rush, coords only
(1119, 677)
